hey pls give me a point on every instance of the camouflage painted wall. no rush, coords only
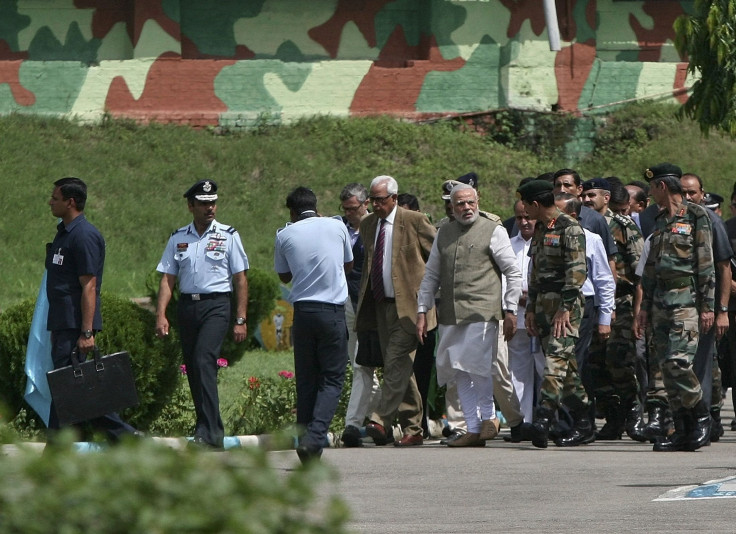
(208, 62)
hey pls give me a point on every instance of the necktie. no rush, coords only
(377, 265)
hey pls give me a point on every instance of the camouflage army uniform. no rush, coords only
(557, 276)
(679, 284)
(613, 362)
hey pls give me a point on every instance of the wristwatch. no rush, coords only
(240, 321)
(87, 334)
(723, 309)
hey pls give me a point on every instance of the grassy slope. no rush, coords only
(137, 176)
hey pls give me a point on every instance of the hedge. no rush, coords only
(126, 326)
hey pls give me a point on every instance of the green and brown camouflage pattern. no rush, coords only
(678, 284)
(215, 62)
(558, 272)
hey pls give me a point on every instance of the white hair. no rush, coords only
(462, 187)
(392, 187)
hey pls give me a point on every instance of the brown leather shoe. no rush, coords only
(377, 432)
(471, 439)
(489, 428)
(410, 441)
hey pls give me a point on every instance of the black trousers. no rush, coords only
(63, 342)
(203, 325)
(320, 360)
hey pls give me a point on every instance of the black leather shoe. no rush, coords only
(679, 440)
(540, 427)
(519, 433)
(716, 427)
(452, 436)
(656, 428)
(351, 437)
(308, 454)
(700, 430)
(635, 422)
(582, 434)
(615, 422)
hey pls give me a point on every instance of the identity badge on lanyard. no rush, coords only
(58, 259)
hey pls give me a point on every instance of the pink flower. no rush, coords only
(286, 374)
(221, 362)
(183, 369)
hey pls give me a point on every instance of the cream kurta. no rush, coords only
(467, 347)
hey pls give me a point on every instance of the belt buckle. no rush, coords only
(195, 296)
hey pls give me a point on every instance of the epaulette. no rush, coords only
(231, 230)
(182, 229)
(490, 216)
(621, 219)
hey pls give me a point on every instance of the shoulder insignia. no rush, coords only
(183, 229)
(490, 216)
(231, 230)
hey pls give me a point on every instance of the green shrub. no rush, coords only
(263, 290)
(266, 405)
(127, 326)
(146, 487)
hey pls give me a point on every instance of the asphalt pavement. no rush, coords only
(613, 486)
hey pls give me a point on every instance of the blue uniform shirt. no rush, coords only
(77, 250)
(206, 263)
(315, 251)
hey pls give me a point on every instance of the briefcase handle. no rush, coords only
(76, 360)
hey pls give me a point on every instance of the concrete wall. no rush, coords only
(227, 62)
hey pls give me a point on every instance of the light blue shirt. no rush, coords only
(600, 283)
(206, 263)
(315, 251)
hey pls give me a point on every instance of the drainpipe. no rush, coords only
(553, 30)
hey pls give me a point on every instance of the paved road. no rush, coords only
(505, 487)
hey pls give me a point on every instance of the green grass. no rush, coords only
(138, 174)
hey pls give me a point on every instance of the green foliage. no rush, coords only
(708, 39)
(264, 405)
(145, 487)
(127, 326)
(177, 418)
(263, 290)
(261, 401)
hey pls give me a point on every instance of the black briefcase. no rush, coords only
(92, 388)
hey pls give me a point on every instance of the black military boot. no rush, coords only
(615, 421)
(679, 440)
(716, 427)
(540, 427)
(582, 434)
(519, 433)
(699, 435)
(656, 428)
(635, 422)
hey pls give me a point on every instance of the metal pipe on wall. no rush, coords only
(553, 29)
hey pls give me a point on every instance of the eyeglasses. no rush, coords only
(379, 200)
(349, 209)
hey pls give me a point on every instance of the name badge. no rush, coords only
(58, 259)
(682, 229)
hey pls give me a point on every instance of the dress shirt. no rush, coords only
(388, 229)
(599, 283)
